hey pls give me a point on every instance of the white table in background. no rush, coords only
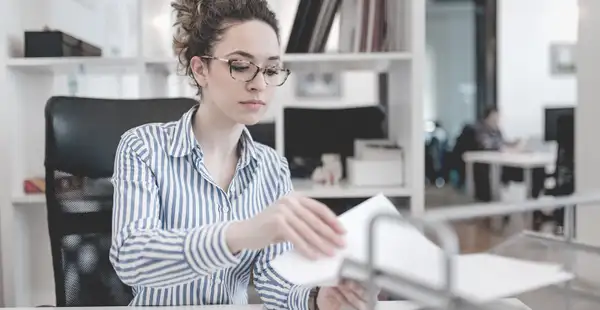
(525, 160)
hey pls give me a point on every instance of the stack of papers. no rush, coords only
(403, 250)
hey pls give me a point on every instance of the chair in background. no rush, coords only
(564, 173)
(82, 135)
(465, 142)
(436, 157)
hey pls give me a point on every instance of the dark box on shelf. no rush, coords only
(57, 44)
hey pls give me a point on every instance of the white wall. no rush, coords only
(525, 30)
(451, 49)
(70, 16)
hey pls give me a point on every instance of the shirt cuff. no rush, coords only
(206, 250)
(298, 298)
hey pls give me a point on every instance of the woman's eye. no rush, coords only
(272, 71)
(239, 68)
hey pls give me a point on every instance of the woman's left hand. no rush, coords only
(347, 294)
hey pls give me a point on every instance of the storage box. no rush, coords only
(377, 172)
(57, 44)
(376, 162)
(377, 149)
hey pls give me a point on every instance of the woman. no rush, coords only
(199, 205)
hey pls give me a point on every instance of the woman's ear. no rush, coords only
(200, 71)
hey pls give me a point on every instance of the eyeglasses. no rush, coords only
(246, 71)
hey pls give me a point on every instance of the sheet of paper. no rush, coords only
(391, 237)
(485, 277)
(403, 250)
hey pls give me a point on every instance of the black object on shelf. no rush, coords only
(303, 26)
(50, 43)
(311, 132)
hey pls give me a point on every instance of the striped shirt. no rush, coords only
(169, 220)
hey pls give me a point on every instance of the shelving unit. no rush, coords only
(27, 83)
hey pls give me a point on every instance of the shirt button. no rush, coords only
(225, 209)
(218, 280)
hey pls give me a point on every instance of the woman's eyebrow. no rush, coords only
(250, 56)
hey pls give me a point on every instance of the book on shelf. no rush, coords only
(369, 26)
(303, 26)
(324, 22)
(365, 26)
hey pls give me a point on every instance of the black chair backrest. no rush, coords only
(82, 135)
(565, 159)
(466, 141)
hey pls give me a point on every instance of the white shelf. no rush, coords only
(344, 190)
(314, 62)
(57, 65)
(304, 187)
(115, 65)
(339, 61)
(29, 199)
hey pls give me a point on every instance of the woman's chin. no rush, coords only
(249, 119)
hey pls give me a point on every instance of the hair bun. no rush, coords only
(188, 14)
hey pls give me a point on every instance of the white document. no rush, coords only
(403, 250)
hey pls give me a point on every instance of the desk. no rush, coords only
(525, 160)
(513, 304)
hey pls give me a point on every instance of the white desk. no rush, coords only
(526, 160)
(382, 305)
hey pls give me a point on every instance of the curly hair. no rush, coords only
(200, 24)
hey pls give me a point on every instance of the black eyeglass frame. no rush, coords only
(258, 69)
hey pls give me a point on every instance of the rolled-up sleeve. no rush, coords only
(142, 252)
(276, 292)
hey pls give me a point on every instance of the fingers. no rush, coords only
(316, 245)
(320, 227)
(316, 234)
(339, 296)
(299, 242)
(323, 212)
(354, 294)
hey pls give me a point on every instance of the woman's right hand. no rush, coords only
(309, 225)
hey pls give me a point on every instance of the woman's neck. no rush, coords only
(217, 134)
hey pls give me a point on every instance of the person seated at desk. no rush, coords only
(490, 137)
(488, 133)
(199, 207)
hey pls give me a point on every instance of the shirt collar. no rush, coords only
(183, 141)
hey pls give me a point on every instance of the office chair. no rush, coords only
(466, 141)
(82, 135)
(564, 173)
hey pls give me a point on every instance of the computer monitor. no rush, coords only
(309, 133)
(551, 118)
(312, 132)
